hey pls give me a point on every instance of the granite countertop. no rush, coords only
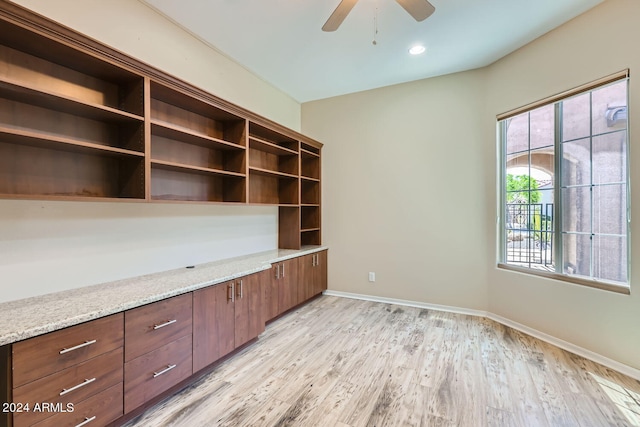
(34, 316)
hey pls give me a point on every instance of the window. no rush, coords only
(565, 203)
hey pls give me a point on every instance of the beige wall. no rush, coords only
(410, 185)
(404, 190)
(597, 43)
(51, 246)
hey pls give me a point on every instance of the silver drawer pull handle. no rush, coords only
(84, 344)
(164, 371)
(75, 387)
(162, 325)
(86, 421)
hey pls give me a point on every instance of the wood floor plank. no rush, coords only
(349, 363)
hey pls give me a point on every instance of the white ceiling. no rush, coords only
(281, 41)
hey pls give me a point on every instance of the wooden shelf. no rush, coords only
(178, 133)
(309, 149)
(311, 237)
(268, 172)
(41, 140)
(38, 169)
(269, 147)
(310, 218)
(178, 183)
(81, 121)
(174, 146)
(309, 165)
(267, 187)
(194, 169)
(309, 192)
(195, 116)
(308, 153)
(269, 136)
(51, 100)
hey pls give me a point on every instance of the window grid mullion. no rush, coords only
(557, 191)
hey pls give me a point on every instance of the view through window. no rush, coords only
(565, 186)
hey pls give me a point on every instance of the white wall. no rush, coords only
(410, 187)
(595, 44)
(51, 246)
(404, 190)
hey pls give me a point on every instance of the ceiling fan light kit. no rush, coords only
(418, 9)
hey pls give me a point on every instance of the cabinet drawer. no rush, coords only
(96, 411)
(149, 375)
(71, 385)
(41, 356)
(153, 325)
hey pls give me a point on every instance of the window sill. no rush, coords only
(605, 286)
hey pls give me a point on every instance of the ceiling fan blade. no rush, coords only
(419, 9)
(338, 15)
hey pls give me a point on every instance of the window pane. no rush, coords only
(609, 108)
(520, 162)
(610, 258)
(576, 162)
(576, 209)
(541, 128)
(610, 158)
(517, 130)
(610, 209)
(517, 197)
(590, 133)
(576, 117)
(576, 250)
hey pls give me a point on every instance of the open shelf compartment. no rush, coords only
(41, 64)
(40, 169)
(175, 183)
(266, 188)
(270, 137)
(170, 145)
(195, 117)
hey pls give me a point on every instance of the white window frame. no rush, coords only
(558, 274)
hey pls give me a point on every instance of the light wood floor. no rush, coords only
(344, 362)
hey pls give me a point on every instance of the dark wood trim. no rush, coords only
(65, 35)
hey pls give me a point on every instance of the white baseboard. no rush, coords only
(583, 352)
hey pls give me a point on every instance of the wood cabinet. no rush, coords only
(313, 275)
(109, 367)
(81, 121)
(158, 344)
(249, 320)
(69, 367)
(285, 284)
(225, 317)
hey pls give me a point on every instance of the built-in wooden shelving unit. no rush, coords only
(81, 121)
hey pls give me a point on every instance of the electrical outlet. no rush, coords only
(372, 276)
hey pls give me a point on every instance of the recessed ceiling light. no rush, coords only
(417, 50)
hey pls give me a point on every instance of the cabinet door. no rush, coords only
(306, 281)
(213, 324)
(270, 293)
(249, 320)
(288, 285)
(320, 273)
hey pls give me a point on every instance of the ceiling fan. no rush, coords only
(419, 9)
